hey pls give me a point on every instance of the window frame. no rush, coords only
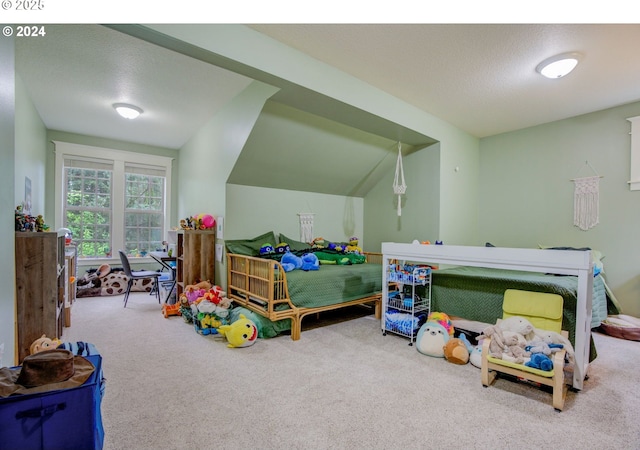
(120, 159)
(634, 182)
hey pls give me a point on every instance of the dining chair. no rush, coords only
(137, 275)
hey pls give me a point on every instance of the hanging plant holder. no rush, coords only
(399, 185)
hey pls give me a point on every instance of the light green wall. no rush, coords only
(420, 214)
(458, 195)
(8, 121)
(295, 150)
(252, 211)
(209, 156)
(23, 155)
(526, 196)
(459, 176)
(31, 151)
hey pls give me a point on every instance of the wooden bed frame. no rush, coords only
(260, 285)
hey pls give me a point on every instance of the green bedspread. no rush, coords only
(476, 293)
(327, 286)
(333, 284)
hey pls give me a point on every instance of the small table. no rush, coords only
(165, 261)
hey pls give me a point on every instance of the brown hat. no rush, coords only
(45, 371)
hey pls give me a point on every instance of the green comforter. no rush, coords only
(476, 293)
(329, 285)
(333, 284)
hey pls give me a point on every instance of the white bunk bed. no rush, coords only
(576, 263)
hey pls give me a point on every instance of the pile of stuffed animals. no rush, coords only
(514, 339)
(207, 307)
(198, 222)
(321, 252)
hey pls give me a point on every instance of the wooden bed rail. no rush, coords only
(260, 285)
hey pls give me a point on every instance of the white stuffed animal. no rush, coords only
(475, 356)
(552, 337)
(431, 339)
(518, 324)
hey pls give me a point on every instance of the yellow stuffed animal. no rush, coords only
(241, 333)
(353, 246)
(43, 343)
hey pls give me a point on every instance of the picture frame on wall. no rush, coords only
(26, 207)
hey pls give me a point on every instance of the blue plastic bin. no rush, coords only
(62, 419)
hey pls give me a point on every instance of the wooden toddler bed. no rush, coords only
(262, 286)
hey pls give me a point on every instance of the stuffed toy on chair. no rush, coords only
(519, 325)
(497, 344)
(556, 338)
(540, 361)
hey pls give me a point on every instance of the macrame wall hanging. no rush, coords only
(586, 200)
(306, 227)
(399, 185)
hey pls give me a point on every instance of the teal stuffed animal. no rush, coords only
(431, 339)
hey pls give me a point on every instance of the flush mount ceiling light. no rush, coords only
(127, 111)
(558, 66)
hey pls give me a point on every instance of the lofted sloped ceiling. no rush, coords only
(295, 150)
(75, 73)
(479, 77)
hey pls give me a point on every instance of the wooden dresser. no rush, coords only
(196, 256)
(41, 283)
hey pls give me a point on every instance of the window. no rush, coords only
(87, 205)
(143, 210)
(112, 200)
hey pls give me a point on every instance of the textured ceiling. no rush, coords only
(75, 74)
(480, 78)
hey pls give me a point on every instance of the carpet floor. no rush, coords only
(343, 385)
